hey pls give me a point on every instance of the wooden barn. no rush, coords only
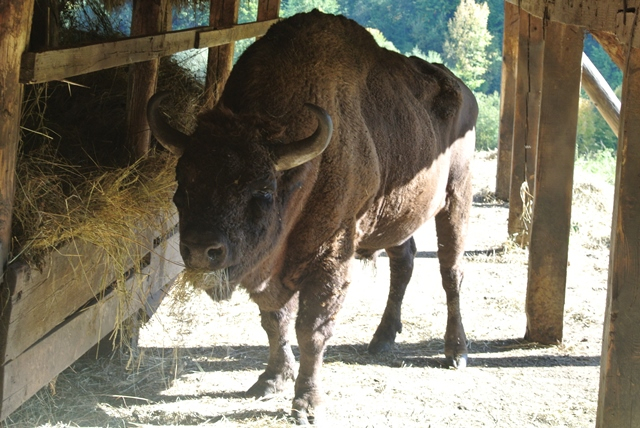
(541, 81)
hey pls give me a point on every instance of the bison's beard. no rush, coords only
(216, 284)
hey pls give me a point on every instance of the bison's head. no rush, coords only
(231, 196)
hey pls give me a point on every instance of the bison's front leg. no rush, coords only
(314, 326)
(280, 367)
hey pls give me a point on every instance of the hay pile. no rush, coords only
(76, 178)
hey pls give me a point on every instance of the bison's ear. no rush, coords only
(172, 139)
(298, 152)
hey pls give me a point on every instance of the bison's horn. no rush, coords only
(294, 154)
(172, 139)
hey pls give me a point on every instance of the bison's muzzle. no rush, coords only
(204, 252)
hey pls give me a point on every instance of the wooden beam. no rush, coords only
(148, 17)
(528, 88)
(551, 224)
(619, 399)
(601, 94)
(611, 46)
(224, 13)
(39, 67)
(598, 15)
(507, 99)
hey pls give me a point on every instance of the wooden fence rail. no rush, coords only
(59, 64)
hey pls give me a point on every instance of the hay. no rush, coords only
(76, 179)
(215, 284)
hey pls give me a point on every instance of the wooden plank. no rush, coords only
(34, 368)
(548, 250)
(507, 99)
(598, 15)
(147, 18)
(73, 275)
(223, 13)
(526, 119)
(601, 94)
(619, 398)
(39, 67)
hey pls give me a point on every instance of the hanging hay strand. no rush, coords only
(215, 284)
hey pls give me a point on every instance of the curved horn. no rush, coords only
(294, 154)
(172, 139)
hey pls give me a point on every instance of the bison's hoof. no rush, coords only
(458, 362)
(264, 388)
(379, 345)
(307, 408)
(306, 415)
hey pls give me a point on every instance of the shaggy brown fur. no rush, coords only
(400, 152)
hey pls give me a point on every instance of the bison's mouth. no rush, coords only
(217, 284)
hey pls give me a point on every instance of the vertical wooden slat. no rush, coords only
(223, 13)
(148, 17)
(528, 87)
(548, 250)
(15, 16)
(619, 400)
(268, 9)
(507, 98)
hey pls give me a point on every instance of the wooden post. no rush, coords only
(268, 9)
(507, 98)
(223, 13)
(548, 250)
(148, 17)
(45, 25)
(619, 400)
(528, 88)
(15, 16)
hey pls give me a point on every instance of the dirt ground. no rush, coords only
(197, 357)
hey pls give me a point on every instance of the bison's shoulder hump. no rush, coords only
(448, 101)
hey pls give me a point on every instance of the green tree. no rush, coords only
(465, 47)
(488, 125)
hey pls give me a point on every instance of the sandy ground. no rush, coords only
(197, 357)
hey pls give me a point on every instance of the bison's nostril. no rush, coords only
(215, 253)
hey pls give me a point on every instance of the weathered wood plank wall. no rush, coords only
(619, 399)
(507, 98)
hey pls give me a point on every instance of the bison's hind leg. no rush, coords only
(401, 267)
(451, 227)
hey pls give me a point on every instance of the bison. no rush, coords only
(324, 146)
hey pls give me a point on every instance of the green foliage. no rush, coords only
(465, 47)
(488, 125)
(431, 56)
(593, 134)
(601, 163)
(381, 40)
(291, 7)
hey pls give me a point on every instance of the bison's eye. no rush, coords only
(263, 190)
